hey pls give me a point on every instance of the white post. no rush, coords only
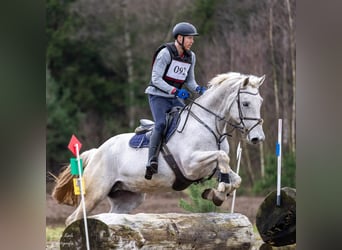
(278, 153)
(238, 157)
(82, 195)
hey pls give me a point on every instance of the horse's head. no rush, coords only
(246, 109)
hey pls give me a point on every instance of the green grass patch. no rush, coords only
(197, 204)
(54, 233)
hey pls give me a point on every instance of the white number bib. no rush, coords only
(178, 70)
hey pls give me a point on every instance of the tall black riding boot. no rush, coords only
(153, 152)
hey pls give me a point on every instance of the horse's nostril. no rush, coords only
(255, 140)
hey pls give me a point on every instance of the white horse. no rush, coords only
(199, 146)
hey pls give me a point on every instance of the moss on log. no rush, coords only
(161, 231)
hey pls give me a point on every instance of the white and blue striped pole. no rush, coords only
(278, 153)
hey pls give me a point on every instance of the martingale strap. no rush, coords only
(181, 181)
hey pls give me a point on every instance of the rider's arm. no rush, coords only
(190, 82)
(162, 60)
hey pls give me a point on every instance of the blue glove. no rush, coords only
(201, 89)
(182, 93)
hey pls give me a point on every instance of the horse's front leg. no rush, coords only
(228, 179)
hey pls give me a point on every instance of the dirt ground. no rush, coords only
(154, 203)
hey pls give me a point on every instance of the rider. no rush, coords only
(173, 67)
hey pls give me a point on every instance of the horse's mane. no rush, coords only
(232, 79)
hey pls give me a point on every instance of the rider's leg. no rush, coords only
(159, 106)
(153, 152)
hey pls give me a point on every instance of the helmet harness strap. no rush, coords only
(181, 44)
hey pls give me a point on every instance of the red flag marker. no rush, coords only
(75, 147)
(72, 143)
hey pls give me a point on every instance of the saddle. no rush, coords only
(141, 139)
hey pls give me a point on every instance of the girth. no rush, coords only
(181, 181)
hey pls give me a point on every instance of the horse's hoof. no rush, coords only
(207, 194)
(217, 201)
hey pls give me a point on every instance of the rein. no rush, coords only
(240, 126)
(218, 137)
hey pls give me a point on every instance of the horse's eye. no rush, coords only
(245, 104)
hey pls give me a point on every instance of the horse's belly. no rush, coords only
(157, 184)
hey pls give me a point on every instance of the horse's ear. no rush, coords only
(245, 82)
(262, 79)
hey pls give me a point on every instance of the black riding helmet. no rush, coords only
(184, 29)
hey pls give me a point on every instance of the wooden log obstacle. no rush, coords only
(161, 231)
(277, 224)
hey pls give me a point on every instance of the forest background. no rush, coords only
(98, 64)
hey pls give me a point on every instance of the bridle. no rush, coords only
(221, 136)
(243, 118)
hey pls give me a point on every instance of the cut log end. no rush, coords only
(277, 224)
(160, 231)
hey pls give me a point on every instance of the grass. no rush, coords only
(54, 233)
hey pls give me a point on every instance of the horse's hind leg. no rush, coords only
(95, 192)
(90, 204)
(122, 201)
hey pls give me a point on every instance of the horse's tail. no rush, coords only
(63, 191)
